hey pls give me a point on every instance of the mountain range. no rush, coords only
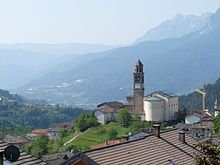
(20, 63)
(177, 64)
(179, 26)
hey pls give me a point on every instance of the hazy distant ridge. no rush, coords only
(179, 65)
(20, 63)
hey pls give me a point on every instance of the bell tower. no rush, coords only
(138, 87)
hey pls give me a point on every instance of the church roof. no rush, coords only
(153, 98)
(139, 63)
(167, 93)
(164, 93)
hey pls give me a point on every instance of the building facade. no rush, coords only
(154, 109)
(107, 111)
(160, 106)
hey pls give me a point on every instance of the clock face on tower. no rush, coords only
(137, 79)
(137, 85)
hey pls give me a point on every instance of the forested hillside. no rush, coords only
(194, 100)
(15, 112)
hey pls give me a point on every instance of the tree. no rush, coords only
(137, 125)
(112, 134)
(91, 120)
(39, 145)
(124, 118)
(210, 154)
(80, 122)
(85, 121)
(217, 124)
(180, 116)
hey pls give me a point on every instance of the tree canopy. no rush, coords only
(85, 121)
(217, 124)
(112, 134)
(124, 118)
(210, 154)
(34, 116)
(38, 146)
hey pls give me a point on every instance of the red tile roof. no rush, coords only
(113, 104)
(39, 131)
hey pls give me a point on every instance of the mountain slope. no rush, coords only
(20, 63)
(179, 65)
(59, 49)
(6, 97)
(177, 27)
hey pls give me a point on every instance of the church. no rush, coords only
(158, 106)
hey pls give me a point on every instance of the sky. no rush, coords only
(89, 21)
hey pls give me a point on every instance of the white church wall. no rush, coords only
(154, 110)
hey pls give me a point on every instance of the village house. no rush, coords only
(53, 132)
(199, 130)
(39, 132)
(107, 111)
(193, 118)
(199, 116)
(54, 129)
(17, 141)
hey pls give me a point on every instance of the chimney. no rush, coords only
(182, 136)
(156, 130)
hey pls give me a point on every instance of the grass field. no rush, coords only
(97, 135)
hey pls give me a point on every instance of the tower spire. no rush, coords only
(216, 103)
(138, 87)
(139, 63)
